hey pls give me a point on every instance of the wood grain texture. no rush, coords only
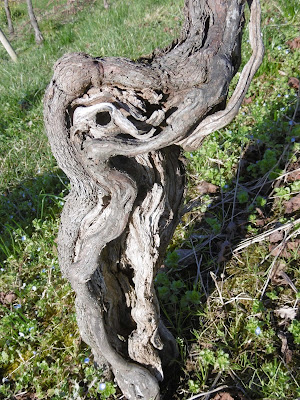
(116, 128)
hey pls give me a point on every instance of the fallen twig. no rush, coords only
(197, 396)
(263, 236)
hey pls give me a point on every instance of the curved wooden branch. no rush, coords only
(8, 46)
(115, 127)
(224, 117)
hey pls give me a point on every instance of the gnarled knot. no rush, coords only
(95, 119)
(75, 72)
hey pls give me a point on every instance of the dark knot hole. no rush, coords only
(103, 118)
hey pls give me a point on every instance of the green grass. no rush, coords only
(223, 309)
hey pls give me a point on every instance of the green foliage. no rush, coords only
(243, 196)
(294, 328)
(172, 259)
(214, 224)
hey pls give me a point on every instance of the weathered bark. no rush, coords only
(11, 30)
(116, 127)
(105, 4)
(37, 33)
(8, 46)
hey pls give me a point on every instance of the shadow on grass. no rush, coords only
(40, 198)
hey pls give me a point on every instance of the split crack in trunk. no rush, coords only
(116, 128)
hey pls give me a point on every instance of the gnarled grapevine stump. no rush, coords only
(116, 127)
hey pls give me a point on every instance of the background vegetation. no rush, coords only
(228, 290)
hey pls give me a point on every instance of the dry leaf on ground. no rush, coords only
(285, 351)
(277, 275)
(224, 248)
(223, 396)
(7, 298)
(293, 83)
(286, 312)
(293, 176)
(276, 237)
(292, 205)
(206, 187)
(294, 246)
(247, 100)
(278, 250)
(294, 43)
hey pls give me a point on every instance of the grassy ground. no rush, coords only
(229, 289)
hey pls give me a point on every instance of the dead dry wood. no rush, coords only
(117, 129)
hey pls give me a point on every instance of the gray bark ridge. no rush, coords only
(116, 128)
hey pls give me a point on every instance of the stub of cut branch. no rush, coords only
(116, 127)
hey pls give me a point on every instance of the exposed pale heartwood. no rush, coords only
(117, 129)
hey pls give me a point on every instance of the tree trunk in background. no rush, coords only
(117, 127)
(8, 16)
(105, 3)
(37, 33)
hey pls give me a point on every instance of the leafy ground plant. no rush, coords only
(229, 289)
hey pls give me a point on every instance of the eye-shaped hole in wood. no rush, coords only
(103, 118)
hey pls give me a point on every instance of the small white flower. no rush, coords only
(33, 288)
(257, 331)
(279, 47)
(21, 334)
(23, 238)
(102, 386)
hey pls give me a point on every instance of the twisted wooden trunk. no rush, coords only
(117, 127)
